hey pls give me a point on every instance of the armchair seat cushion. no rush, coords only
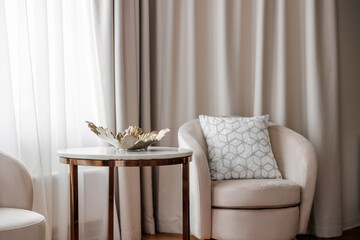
(21, 224)
(255, 193)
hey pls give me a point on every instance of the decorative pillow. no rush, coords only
(239, 147)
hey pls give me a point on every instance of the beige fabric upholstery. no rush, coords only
(16, 196)
(255, 193)
(18, 224)
(296, 159)
(13, 175)
(191, 137)
(265, 224)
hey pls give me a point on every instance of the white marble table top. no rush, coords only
(107, 153)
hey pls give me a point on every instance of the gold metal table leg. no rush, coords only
(111, 203)
(186, 209)
(74, 209)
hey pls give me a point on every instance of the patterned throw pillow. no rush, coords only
(239, 147)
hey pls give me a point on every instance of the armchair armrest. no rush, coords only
(191, 137)
(297, 162)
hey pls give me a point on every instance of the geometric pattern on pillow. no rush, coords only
(239, 147)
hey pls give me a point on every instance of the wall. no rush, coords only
(349, 53)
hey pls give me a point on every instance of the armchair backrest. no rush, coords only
(16, 190)
(194, 129)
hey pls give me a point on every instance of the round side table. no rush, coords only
(109, 157)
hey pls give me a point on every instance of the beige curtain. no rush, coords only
(117, 32)
(220, 57)
(349, 59)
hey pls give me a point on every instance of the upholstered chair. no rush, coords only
(17, 221)
(264, 209)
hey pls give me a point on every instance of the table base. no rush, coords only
(74, 209)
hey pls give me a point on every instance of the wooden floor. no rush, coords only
(352, 234)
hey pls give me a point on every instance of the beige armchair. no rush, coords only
(17, 221)
(263, 209)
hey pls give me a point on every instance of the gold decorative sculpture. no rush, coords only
(132, 138)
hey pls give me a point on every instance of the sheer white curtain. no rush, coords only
(50, 83)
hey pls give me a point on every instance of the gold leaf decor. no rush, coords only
(132, 138)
